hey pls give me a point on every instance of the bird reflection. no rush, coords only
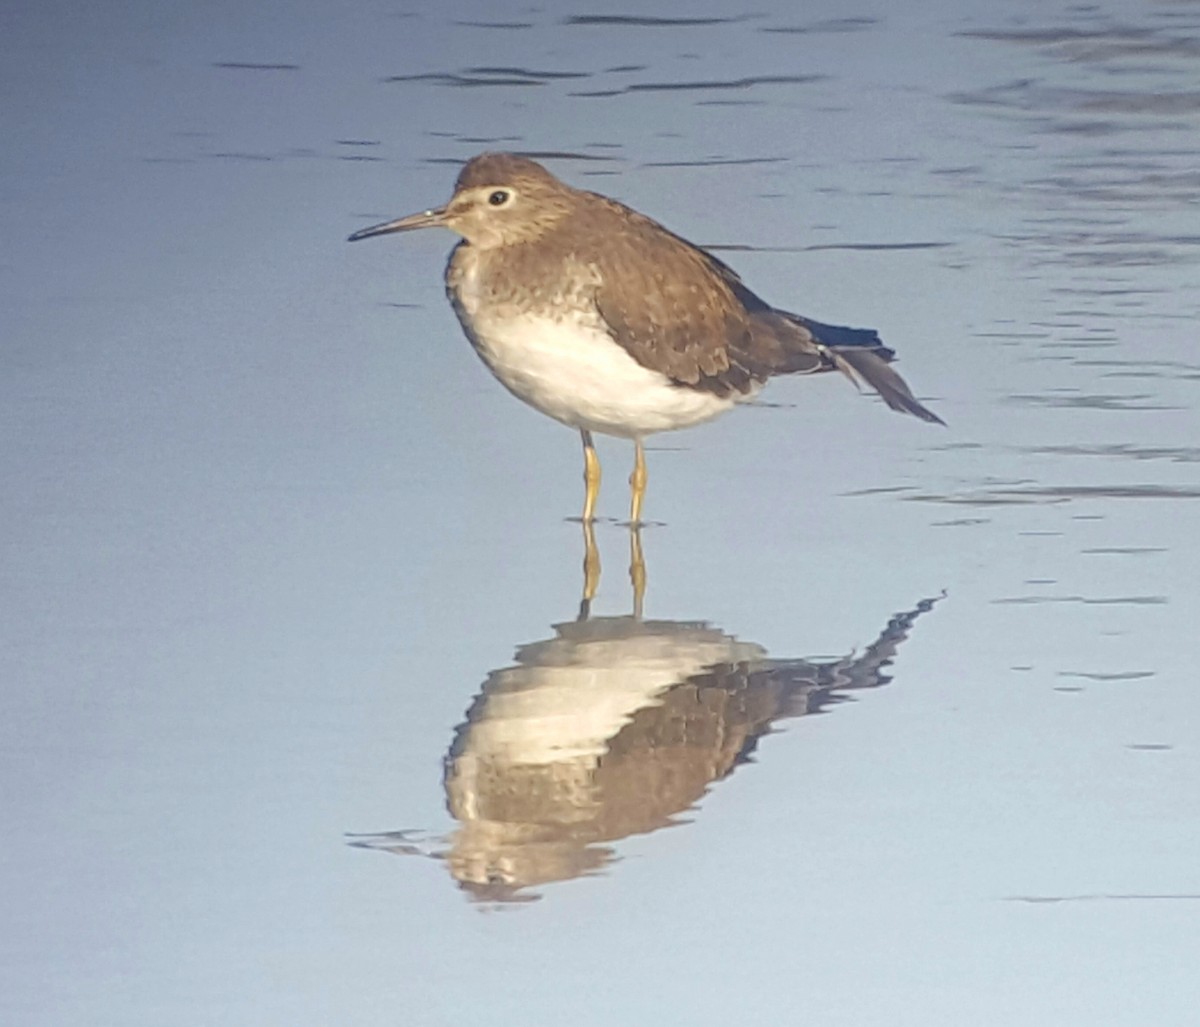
(591, 569)
(614, 726)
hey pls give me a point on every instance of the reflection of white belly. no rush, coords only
(572, 705)
(573, 371)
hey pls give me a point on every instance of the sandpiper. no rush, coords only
(606, 321)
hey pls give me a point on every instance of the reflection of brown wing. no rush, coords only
(527, 819)
(614, 727)
(664, 760)
(666, 757)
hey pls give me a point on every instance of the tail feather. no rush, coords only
(804, 346)
(841, 335)
(860, 364)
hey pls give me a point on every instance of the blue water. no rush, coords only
(299, 725)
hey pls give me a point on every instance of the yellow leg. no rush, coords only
(591, 477)
(637, 569)
(591, 570)
(637, 483)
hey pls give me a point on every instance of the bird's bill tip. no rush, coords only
(425, 219)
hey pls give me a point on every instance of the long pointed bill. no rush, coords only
(426, 219)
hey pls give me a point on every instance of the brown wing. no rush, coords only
(677, 310)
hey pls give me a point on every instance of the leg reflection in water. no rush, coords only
(591, 569)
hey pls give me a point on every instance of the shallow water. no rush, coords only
(297, 699)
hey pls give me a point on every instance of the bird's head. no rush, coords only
(500, 199)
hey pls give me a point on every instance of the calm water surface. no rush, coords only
(300, 722)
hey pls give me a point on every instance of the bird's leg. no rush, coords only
(637, 483)
(637, 569)
(591, 476)
(591, 570)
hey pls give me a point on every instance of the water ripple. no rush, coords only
(1085, 600)
(1054, 494)
(1096, 46)
(251, 66)
(1112, 402)
(1181, 896)
(486, 76)
(1174, 454)
(704, 85)
(633, 21)
(827, 26)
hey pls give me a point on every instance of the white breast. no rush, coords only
(570, 369)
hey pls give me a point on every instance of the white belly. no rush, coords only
(571, 370)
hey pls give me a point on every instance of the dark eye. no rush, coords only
(499, 198)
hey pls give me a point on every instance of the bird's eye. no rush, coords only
(499, 198)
